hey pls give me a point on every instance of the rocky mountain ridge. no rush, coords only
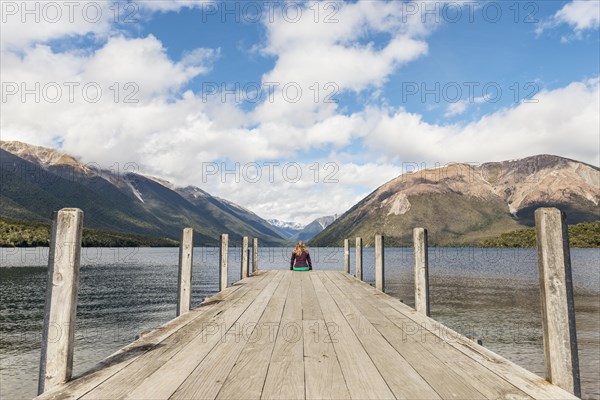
(38, 180)
(462, 204)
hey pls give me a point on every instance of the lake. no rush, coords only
(492, 294)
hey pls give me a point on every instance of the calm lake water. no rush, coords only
(489, 293)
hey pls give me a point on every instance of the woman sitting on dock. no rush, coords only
(302, 258)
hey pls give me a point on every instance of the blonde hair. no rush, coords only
(300, 247)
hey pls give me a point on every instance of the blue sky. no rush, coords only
(472, 49)
(376, 58)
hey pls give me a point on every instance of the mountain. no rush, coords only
(314, 228)
(462, 204)
(37, 181)
(288, 229)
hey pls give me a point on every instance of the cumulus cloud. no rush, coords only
(563, 121)
(337, 56)
(25, 23)
(581, 15)
(459, 107)
(172, 132)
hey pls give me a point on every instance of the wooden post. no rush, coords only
(254, 255)
(558, 307)
(421, 271)
(245, 257)
(379, 264)
(223, 261)
(359, 256)
(184, 282)
(56, 363)
(346, 256)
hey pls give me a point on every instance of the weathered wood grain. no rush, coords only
(147, 344)
(62, 285)
(347, 256)
(558, 307)
(305, 335)
(421, 271)
(184, 281)
(244, 269)
(359, 259)
(526, 381)
(223, 260)
(285, 377)
(379, 264)
(250, 370)
(363, 379)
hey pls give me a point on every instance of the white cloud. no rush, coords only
(25, 23)
(581, 15)
(564, 121)
(326, 187)
(459, 107)
(171, 134)
(340, 54)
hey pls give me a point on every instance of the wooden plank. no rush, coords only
(379, 264)
(448, 371)
(184, 281)
(401, 377)
(421, 271)
(208, 377)
(323, 378)
(363, 380)
(125, 380)
(164, 381)
(558, 307)
(521, 378)
(311, 310)
(62, 285)
(145, 344)
(285, 377)
(248, 375)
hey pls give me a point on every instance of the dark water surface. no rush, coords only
(492, 294)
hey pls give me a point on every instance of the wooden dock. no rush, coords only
(305, 335)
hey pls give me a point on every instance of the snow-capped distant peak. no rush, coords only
(286, 224)
(326, 221)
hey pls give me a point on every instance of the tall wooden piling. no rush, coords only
(56, 363)
(421, 270)
(379, 264)
(244, 257)
(346, 256)
(359, 258)
(184, 281)
(254, 255)
(558, 306)
(223, 261)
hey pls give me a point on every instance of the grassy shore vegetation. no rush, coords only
(31, 234)
(584, 235)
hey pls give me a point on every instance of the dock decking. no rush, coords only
(313, 335)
